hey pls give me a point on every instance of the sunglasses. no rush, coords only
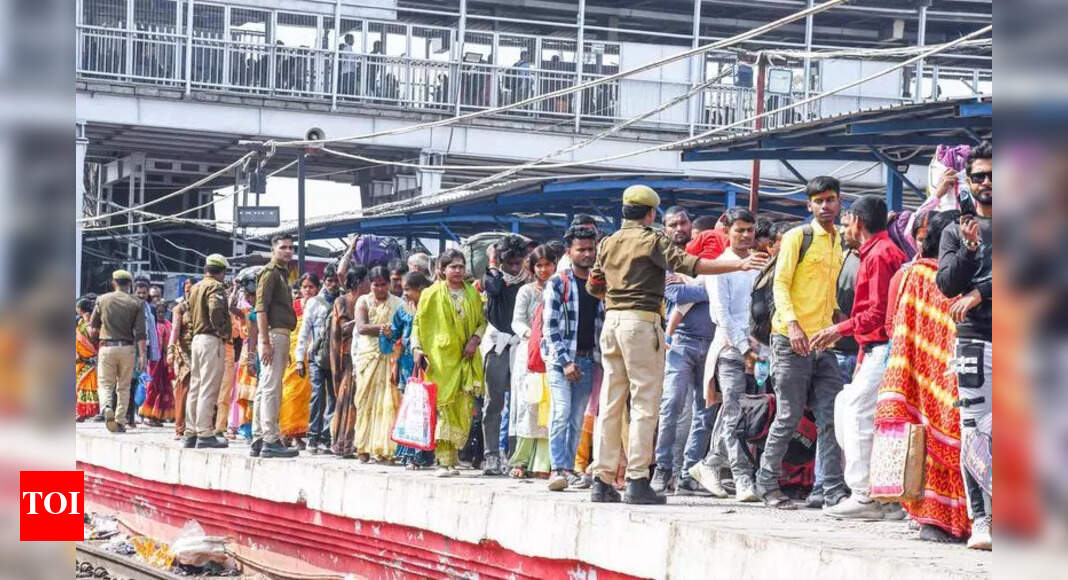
(981, 176)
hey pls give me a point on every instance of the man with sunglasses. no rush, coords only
(275, 320)
(964, 272)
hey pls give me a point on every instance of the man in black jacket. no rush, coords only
(964, 271)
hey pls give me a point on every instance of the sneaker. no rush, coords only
(834, 498)
(275, 449)
(492, 466)
(640, 492)
(576, 481)
(661, 480)
(855, 509)
(708, 477)
(687, 486)
(893, 512)
(255, 448)
(212, 442)
(745, 491)
(313, 446)
(446, 472)
(815, 498)
(603, 492)
(109, 420)
(189, 442)
(981, 538)
(558, 481)
(99, 418)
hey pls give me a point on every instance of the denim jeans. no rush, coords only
(975, 379)
(683, 375)
(322, 404)
(567, 405)
(498, 384)
(847, 362)
(730, 449)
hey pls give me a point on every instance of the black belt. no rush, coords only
(584, 353)
(867, 348)
(110, 342)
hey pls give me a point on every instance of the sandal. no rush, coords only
(518, 472)
(779, 500)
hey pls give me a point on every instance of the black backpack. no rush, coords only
(762, 306)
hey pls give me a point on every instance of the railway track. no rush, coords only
(93, 562)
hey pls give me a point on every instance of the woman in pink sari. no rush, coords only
(159, 396)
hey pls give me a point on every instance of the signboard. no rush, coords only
(264, 216)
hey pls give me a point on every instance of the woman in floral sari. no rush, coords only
(401, 333)
(88, 404)
(376, 398)
(530, 389)
(918, 389)
(343, 425)
(447, 330)
(159, 397)
(295, 411)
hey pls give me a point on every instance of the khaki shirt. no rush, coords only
(273, 298)
(208, 309)
(119, 316)
(634, 262)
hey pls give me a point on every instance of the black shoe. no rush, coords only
(189, 442)
(661, 480)
(99, 418)
(212, 442)
(815, 499)
(120, 428)
(688, 486)
(257, 446)
(277, 450)
(640, 492)
(313, 447)
(603, 492)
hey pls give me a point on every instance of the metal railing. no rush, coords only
(158, 57)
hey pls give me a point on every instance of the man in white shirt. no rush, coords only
(729, 300)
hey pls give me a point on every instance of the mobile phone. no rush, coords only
(964, 197)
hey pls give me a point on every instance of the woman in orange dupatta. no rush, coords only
(919, 389)
(88, 404)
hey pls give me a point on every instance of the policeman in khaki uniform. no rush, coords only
(119, 321)
(210, 315)
(629, 276)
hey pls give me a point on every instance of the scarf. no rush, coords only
(513, 279)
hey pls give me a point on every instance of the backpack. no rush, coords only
(374, 251)
(762, 305)
(475, 251)
(535, 362)
(799, 462)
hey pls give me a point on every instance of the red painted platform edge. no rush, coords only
(344, 545)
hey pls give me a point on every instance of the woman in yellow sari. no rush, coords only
(376, 398)
(295, 411)
(85, 364)
(447, 330)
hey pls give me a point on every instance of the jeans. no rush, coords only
(684, 375)
(498, 383)
(854, 418)
(323, 401)
(811, 380)
(731, 449)
(567, 405)
(975, 379)
(846, 363)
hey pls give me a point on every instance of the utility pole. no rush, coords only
(300, 211)
(754, 180)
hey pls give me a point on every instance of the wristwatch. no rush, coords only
(971, 246)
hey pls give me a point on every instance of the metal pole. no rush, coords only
(808, 60)
(189, 48)
(81, 143)
(337, 54)
(754, 180)
(921, 41)
(461, 32)
(697, 101)
(300, 211)
(579, 58)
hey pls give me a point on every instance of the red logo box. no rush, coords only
(51, 506)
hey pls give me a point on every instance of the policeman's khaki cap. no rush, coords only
(216, 260)
(641, 195)
(121, 275)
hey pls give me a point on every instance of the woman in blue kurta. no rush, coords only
(401, 331)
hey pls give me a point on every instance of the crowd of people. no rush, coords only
(686, 358)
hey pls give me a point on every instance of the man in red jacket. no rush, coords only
(854, 416)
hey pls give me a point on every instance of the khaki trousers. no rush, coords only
(632, 355)
(268, 398)
(115, 366)
(206, 367)
(222, 410)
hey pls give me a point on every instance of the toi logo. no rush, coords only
(51, 506)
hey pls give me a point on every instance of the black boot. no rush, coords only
(189, 442)
(276, 449)
(640, 492)
(257, 446)
(603, 492)
(212, 442)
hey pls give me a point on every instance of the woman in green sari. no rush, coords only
(446, 332)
